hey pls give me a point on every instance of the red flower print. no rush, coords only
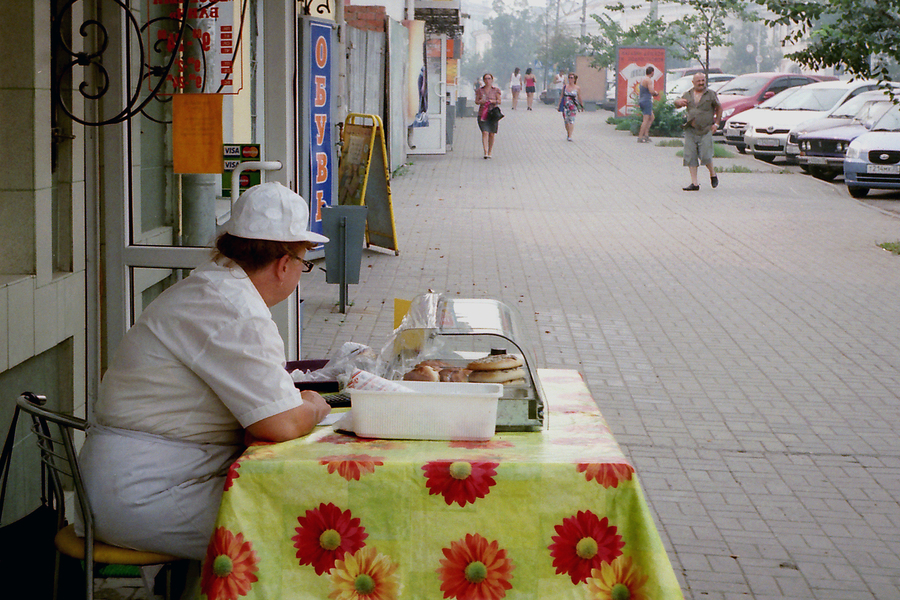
(606, 474)
(325, 535)
(232, 474)
(475, 569)
(459, 481)
(341, 439)
(619, 579)
(584, 542)
(229, 566)
(365, 575)
(352, 466)
(488, 445)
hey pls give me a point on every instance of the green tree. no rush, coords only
(611, 37)
(748, 42)
(860, 36)
(695, 34)
(689, 38)
(516, 37)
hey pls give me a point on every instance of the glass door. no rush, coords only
(159, 224)
(428, 135)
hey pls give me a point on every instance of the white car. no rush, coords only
(677, 87)
(736, 126)
(767, 138)
(843, 114)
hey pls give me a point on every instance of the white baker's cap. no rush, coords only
(270, 211)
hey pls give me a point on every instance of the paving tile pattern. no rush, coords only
(743, 342)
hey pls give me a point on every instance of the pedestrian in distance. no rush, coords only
(646, 94)
(486, 98)
(559, 81)
(530, 87)
(570, 104)
(515, 87)
(702, 115)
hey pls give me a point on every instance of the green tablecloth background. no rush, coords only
(554, 514)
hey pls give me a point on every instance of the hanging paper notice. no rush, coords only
(197, 133)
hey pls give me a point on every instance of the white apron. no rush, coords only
(153, 493)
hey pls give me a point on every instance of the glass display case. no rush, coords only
(456, 331)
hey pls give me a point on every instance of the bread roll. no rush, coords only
(422, 373)
(495, 362)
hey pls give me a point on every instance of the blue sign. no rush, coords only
(321, 154)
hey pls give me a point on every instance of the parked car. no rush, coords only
(873, 159)
(677, 87)
(746, 91)
(767, 138)
(689, 71)
(842, 114)
(736, 126)
(822, 151)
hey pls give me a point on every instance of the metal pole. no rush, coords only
(343, 242)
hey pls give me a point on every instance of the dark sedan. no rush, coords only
(822, 152)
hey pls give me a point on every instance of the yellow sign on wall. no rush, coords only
(324, 9)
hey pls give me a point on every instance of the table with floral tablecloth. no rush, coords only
(553, 514)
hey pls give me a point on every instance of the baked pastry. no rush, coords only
(422, 373)
(497, 376)
(496, 362)
(455, 374)
(437, 364)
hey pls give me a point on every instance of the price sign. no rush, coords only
(206, 61)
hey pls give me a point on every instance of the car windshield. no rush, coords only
(871, 111)
(850, 108)
(680, 86)
(745, 85)
(889, 121)
(811, 98)
(778, 98)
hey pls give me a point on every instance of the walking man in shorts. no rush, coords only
(702, 116)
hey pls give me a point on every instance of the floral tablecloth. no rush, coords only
(555, 514)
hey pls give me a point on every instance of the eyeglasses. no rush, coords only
(307, 266)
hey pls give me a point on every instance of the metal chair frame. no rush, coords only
(59, 460)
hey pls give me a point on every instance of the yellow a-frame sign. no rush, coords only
(364, 180)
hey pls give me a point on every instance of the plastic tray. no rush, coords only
(435, 411)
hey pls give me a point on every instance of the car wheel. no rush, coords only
(858, 192)
(824, 174)
(741, 148)
(764, 158)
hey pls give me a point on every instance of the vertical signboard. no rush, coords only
(631, 67)
(317, 157)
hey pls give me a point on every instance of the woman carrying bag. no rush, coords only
(487, 97)
(570, 104)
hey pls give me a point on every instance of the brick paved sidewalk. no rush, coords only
(743, 342)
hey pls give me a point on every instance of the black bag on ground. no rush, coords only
(27, 551)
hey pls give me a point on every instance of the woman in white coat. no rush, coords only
(202, 367)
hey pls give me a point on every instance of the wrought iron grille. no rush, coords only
(154, 63)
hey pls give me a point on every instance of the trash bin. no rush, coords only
(461, 106)
(345, 227)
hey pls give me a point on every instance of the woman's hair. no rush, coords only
(516, 72)
(649, 70)
(253, 255)
(486, 75)
(528, 71)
